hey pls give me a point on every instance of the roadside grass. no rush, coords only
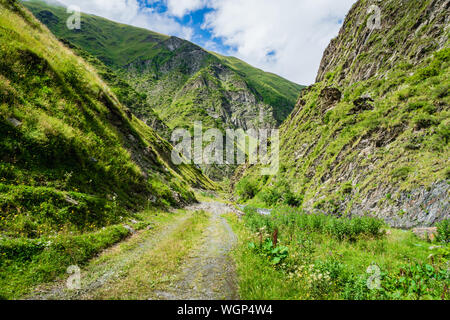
(311, 265)
(159, 265)
(25, 263)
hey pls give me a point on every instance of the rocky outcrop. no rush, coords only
(355, 55)
(328, 98)
(362, 104)
(417, 208)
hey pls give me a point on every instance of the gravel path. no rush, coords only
(209, 273)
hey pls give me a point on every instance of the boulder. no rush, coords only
(362, 104)
(330, 96)
(426, 233)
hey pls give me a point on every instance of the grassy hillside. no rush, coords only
(127, 95)
(372, 136)
(115, 44)
(180, 81)
(74, 163)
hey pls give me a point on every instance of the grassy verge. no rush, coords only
(306, 260)
(25, 262)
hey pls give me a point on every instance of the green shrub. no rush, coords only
(280, 193)
(415, 281)
(246, 189)
(424, 121)
(341, 228)
(401, 173)
(443, 231)
(275, 254)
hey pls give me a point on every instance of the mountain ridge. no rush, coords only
(181, 81)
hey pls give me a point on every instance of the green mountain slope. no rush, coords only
(75, 164)
(71, 155)
(163, 67)
(372, 135)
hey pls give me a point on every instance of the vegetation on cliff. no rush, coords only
(371, 136)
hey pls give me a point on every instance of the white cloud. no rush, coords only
(180, 8)
(132, 13)
(286, 37)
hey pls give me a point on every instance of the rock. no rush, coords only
(133, 221)
(71, 201)
(14, 122)
(426, 233)
(130, 229)
(329, 97)
(362, 104)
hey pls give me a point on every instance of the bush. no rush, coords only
(280, 193)
(340, 228)
(443, 231)
(424, 121)
(246, 189)
(401, 173)
(276, 254)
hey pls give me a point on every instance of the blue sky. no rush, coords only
(286, 37)
(195, 20)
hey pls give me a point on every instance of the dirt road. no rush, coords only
(186, 257)
(209, 273)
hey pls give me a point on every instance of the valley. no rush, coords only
(93, 205)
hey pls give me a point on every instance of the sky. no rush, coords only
(286, 37)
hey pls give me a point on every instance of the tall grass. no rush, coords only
(292, 220)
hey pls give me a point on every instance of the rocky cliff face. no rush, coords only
(407, 31)
(371, 136)
(192, 85)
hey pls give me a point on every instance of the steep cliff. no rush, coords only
(371, 136)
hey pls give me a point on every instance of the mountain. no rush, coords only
(71, 153)
(182, 81)
(371, 136)
(179, 81)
